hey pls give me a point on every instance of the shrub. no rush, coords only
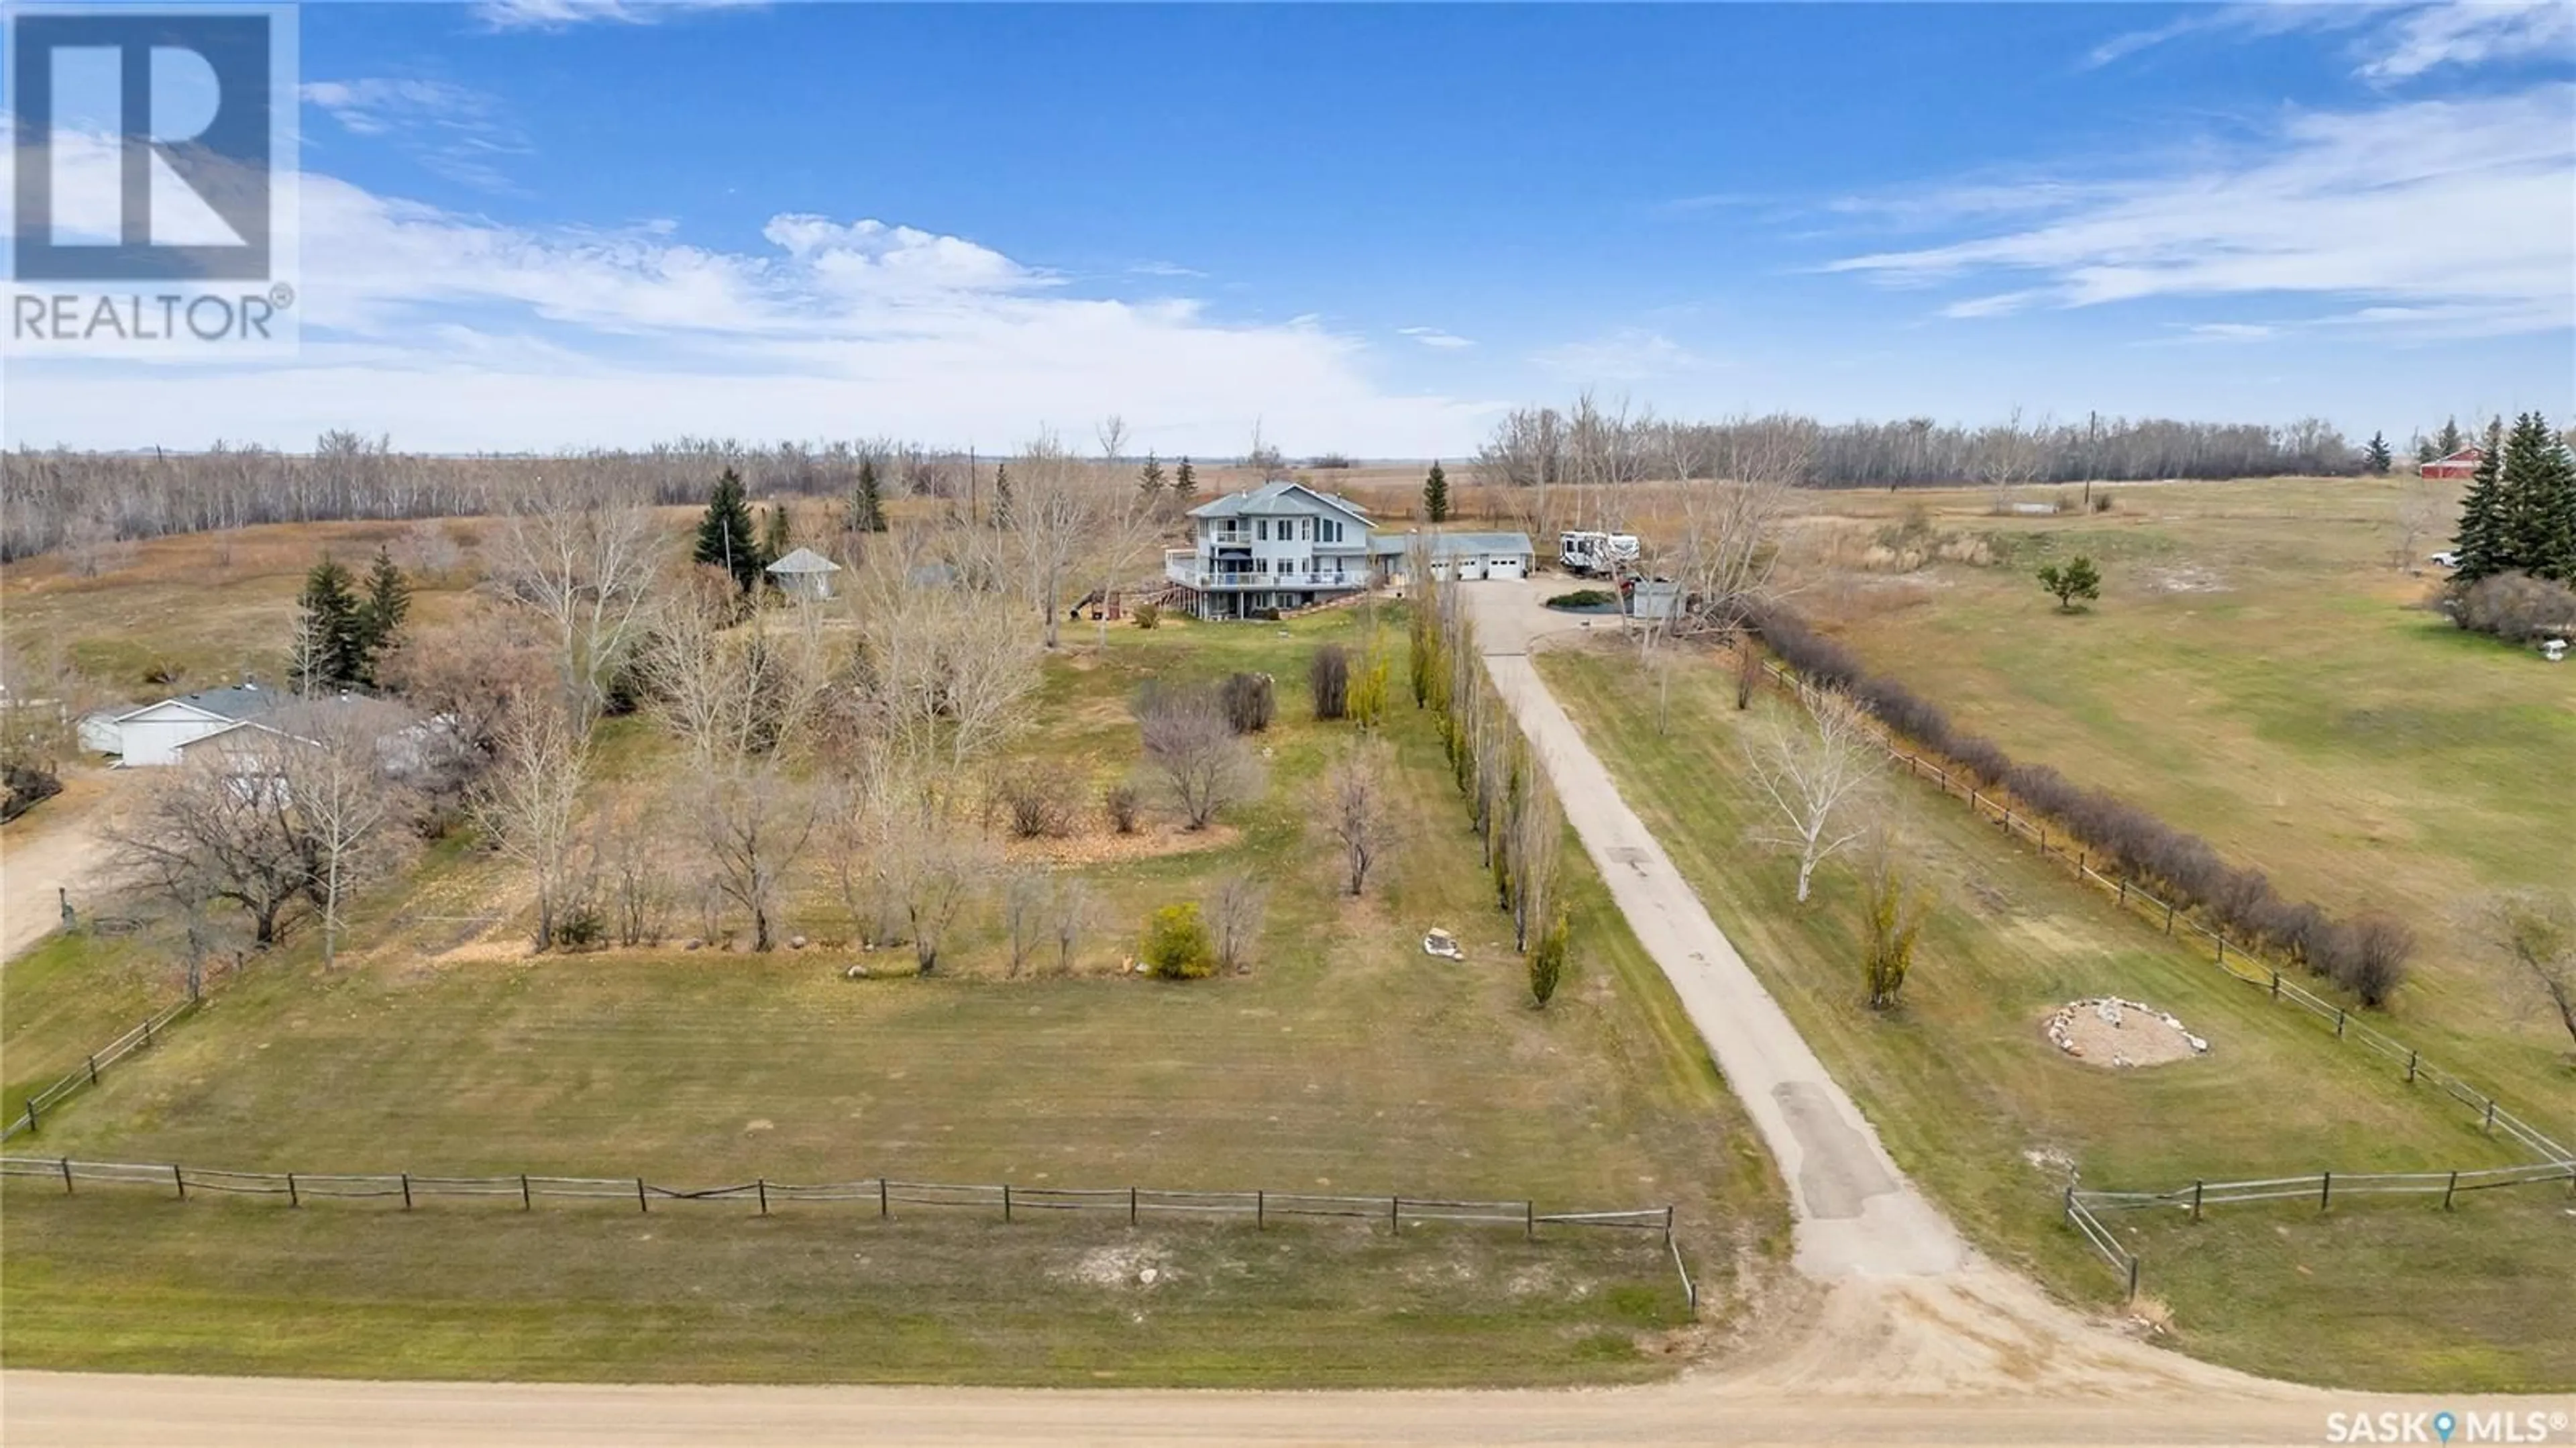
(1148, 615)
(2104, 502)
(1328, 678)
(1368, 690)
(1036, 801)
(1193, 749)
(2517, 608)
(23, 784)
(1584, 598)
(1176, 945)
(1249, 702)
(1120, 803)
(2369, 955)
(2078, 579)
(1547, 960)
(581, 924)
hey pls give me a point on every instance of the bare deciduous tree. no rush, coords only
(1071, 916)
(203, 833)
(1236, 905)
(586, 568)
(1113, 438)
(329, 763)
(943, 676)
(634, 860)
(1028, 896)
(1536, 849)
(527, 802)
(1359, 796)
(754, 821)
(931, 873)
(1813, 777)
(1200, 760)
(2537, 933)
(2419, 513)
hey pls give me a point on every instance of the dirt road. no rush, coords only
(55, 845)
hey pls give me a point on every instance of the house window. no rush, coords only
(1328, 530)
(1261, 530)
(1305, 530)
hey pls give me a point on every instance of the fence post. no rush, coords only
(2325, 1192)
(884, 1203)
(2276, 985)
(1393, 1205)
(2133, 1277)
(2339, 1014)
(1529, 1214)
(1668, 1224)
(93, 1070)
(67, 1176)
(2124, 891)
(640, 1204)
(147, 1033)
(527, 1200)
(406, 1176)
(2410, 1068)
(31, 1115)
(292, 1199)
(2490, 1116)
(2168, 918)
(1006, 1201)
(764, 1196)
(2070, 1204)
(1260, 1209)
(2448, 1190)
(1131, 1206)
(180, 1180)
(2222, 951)
(2195, 1200)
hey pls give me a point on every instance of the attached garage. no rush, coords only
(154, 734)
(1472, 557)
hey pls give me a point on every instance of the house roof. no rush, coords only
(1262, 500)
(1451, 545)
(236, 702)
(804, 560)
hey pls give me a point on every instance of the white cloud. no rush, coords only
(1629, 354)
(457, 333)
(453, 131)
(1434, 337)
(2473, 34)
(564, 14)
(2395, 40)
(2432, 204)
(1163, 269)
(2231, 331)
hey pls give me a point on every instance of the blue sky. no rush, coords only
(577, 222)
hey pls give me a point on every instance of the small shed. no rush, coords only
(804, 574)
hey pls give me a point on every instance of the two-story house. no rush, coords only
(1278, 546)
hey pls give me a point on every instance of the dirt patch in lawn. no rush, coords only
(2113, 1033)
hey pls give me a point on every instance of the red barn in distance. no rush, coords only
(2458, 465)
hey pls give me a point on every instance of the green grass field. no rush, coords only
(1972, 1099)
(1346, 1061)
(2257, 672)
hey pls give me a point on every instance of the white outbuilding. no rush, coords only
(154, 734)
(804, 574)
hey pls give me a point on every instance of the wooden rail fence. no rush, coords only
(140, 1037)
(875, 1196)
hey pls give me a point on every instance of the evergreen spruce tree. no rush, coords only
(2377, 455)
(2450, 440)
(725, 536)
(2481, 541)
(2424, 452)
(330, 633)
(1150, 480)
(1185, 485)
(1001, 495)
(776, 530)
(867, 505)
(2537, 502)
(1435, 495)
(380, 617)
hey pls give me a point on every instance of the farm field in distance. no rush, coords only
(1345, 1061)
(1972, 1099)
(2259, 673)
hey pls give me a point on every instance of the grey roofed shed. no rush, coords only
(804, 574)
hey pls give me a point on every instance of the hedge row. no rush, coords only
(2366, 954)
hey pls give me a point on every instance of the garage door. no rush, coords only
(1505, 566)
(1471, 566)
